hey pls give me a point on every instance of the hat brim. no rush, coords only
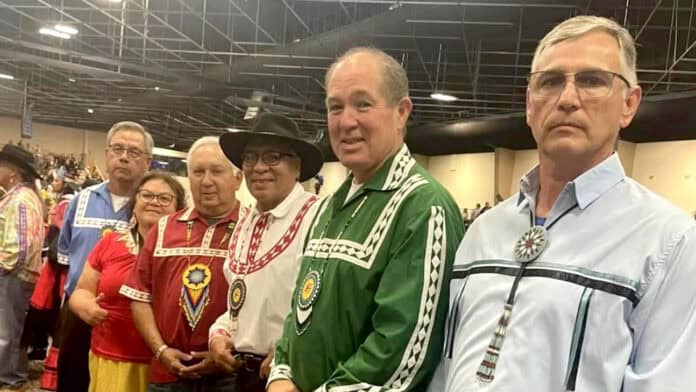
(10, 158)
(234, 143)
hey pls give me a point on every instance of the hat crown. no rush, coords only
(18, 153)
(278, 125)
(20, 157)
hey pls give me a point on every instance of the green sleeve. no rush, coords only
(407, 337)
(280, 366)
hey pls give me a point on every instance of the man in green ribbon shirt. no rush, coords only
(371, 298)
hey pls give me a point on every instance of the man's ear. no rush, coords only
(630, 106)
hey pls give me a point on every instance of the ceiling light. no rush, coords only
(234, 130)
(90, 111)
(156, 88)
(443, 97)
(65, 29)
(71, 80)
(114, 1)
(53, 33)
(6, 76)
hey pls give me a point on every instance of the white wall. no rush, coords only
(470, 178)
(525, 160)
(334, 174)
(57, 139)
(627, 154)
(504, 164)
(669, 169)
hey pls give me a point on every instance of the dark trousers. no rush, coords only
(207, 384)
(248, 379)
(73, 360)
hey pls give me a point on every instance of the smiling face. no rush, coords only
(270, 184)
(214, 181)
(148, 213)
(365, 130)
(568, 126)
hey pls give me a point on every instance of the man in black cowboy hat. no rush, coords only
(263, 260)
(21, 230)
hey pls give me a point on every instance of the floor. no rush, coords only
(35, 369)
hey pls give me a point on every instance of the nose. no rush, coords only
(347, 119)
(260, 166)
(155, 201)
(123, 157)
(207, 178)
(569, 98)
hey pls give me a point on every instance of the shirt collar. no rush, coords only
(390, 176)
(103, 191)
(191, 214)
(586, 188)
(283, 208)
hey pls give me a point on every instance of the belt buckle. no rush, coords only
(249, 361)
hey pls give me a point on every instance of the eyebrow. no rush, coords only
(353, 95)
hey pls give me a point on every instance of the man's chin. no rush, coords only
(122, 177)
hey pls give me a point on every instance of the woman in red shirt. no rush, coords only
(119, 358)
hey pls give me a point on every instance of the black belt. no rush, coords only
(250, 362)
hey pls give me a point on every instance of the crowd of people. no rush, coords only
(375, 287)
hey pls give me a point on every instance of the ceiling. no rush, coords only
(188, 68)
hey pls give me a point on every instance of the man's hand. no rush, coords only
(221, 348)
(171, 359)
(265, 368)
(203, 368)
(93, 313)
(282, 386)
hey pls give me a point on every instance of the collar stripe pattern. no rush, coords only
(285, 240)
(203, 250)
(363, 255)
(403, 163)
(81, 220)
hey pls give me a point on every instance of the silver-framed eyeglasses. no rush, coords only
(163, 199)
(131, 152)
(270, 158)
(589, 84)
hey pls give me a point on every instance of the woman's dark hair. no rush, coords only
(179, 193)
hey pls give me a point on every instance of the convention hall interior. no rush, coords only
(69, 69)
(185, 69)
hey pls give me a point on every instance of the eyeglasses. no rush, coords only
(270, 158)
(163, 199)
(589, 84)
(132, 153)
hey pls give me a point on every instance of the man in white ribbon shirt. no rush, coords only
(266, 246)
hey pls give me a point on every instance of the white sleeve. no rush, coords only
(220, 327)
(664, 323)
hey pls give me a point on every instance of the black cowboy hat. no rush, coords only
(274, 127)
(20, 157)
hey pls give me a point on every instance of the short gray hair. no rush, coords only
(394, 79)
(131, 126)
(206, 141)
(580, 25)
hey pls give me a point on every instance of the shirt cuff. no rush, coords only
(63, 259)
(279, 372)
(135, 295)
